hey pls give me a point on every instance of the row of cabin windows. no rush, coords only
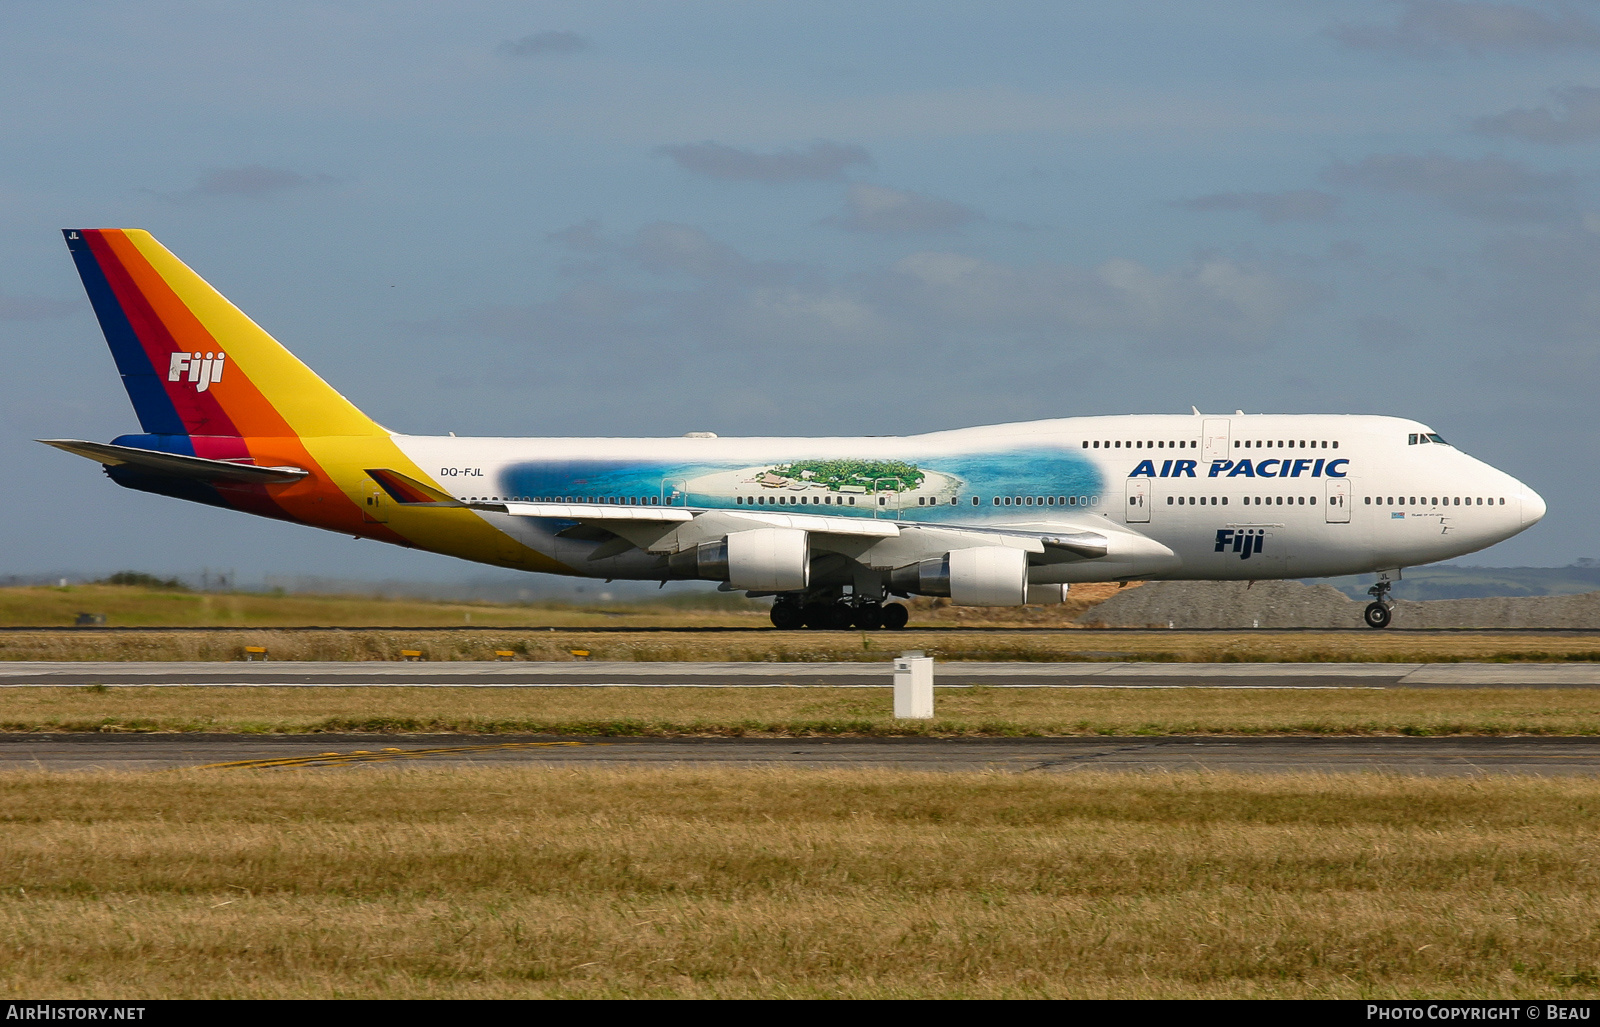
(830, 500)
(782, 500)
(1237, 444)
(1043, 501)
(1246, 500)
(1434, 501)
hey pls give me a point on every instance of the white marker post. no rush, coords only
(913, 686)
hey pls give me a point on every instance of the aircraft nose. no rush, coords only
(1532, 507)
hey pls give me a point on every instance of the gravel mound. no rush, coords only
(1290, 604)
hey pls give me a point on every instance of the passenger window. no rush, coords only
(1169, 500)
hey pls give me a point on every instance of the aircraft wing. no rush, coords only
(177, 465)
(651, 526)
(607, 515)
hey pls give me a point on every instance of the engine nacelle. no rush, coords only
(769, 559)
(758, 560)
(985, 576)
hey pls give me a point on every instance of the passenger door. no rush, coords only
(1338, 503)
(1214, 441)
(374, 502)
(1138, 500)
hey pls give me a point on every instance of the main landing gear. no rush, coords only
(1380, 612)
(789, 613)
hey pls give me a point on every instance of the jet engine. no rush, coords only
(758, 560)
(984, 576)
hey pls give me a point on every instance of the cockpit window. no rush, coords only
(1435, 437)
(1415, 439)
(1411, 440)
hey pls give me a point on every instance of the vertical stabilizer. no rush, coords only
(192, 362)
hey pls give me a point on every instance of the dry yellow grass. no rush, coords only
(512, 883)
(766, 645)
(805, 711)
(133, 606)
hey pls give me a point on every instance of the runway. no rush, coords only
(1469, 756)
(788, 675)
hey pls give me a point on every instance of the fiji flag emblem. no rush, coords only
(1397, 515)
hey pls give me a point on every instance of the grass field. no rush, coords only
(512, 883)
(138, 606)
(985, 712)
(767, 645)
(132, 606)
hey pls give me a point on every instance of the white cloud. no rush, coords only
(1430, 28)
(1577, 122)
(1489, 187)
(1211, 299)
(546, 44)
(822, 160)
(876, 208)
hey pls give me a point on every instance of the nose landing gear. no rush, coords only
(1380, 612)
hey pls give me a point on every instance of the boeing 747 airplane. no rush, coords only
(831, 528)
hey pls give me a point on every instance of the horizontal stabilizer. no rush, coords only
(176, 465)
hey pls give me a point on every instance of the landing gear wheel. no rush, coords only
(840, 618)
(895, 616)
(786, 616)
(869, 617)
(1378, 615)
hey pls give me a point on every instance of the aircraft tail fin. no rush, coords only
(192, 362)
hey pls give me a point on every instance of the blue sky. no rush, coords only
(875, 218)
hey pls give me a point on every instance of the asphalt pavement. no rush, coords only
(1466, 756)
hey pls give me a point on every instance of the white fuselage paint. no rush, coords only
(1395, 504)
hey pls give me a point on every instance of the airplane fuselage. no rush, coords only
(1244, 497)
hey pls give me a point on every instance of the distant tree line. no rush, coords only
(139, 579)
